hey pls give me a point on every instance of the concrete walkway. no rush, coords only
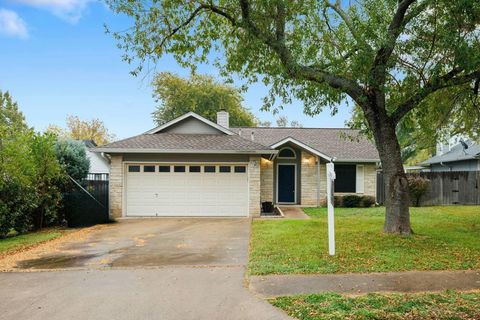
(413, 281)
(293, 213)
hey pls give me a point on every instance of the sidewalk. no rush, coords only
(411, 281)
(293, 213)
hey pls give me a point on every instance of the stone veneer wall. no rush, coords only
(254, 186)
(309, 198)
(266, 180)
(115, 185)
(370, 180)
(309, 181)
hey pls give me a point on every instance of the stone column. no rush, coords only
(115, 186)
(309, 181)
(266, 180)
(254, 186)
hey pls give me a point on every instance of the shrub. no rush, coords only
(368, 201)
(338, 201)
(418, 186)
(352, 201)
(29, 173)
(72, 156)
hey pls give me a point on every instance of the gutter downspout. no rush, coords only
(446, 166)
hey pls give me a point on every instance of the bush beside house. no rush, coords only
(354, 201)
(31, 175)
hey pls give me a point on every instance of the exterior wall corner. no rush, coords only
(254, 185)
(115, 186)
(309, 180)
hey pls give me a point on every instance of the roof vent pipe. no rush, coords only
(240, 132)
(252, 136)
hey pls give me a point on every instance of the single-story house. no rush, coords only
(191, 166)
(99, 163)
(464, 155)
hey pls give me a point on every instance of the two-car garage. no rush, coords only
(186, 189)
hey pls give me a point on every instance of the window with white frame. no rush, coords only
(287, 153)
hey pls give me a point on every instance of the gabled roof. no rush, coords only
(457, 153)
(186, 143)
(301, 145)
(189, 115)
(339, 144)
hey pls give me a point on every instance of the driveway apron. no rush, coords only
(140, 269)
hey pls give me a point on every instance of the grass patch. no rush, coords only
(446, 238)
(16, 243)
(328, 306)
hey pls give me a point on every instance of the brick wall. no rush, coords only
(116, 186)
(254, 185)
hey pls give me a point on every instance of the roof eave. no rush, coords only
(203, 151)
(357, 160)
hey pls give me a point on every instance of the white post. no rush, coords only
(331, 225)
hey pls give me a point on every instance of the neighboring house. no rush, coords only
(99, 164)
(191, 166)
(459, 156)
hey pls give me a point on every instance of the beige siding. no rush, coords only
(266, 180)
(323, 184)
(116, 186)
(254, 186)
(309, 180)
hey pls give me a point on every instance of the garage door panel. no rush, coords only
(186, 193)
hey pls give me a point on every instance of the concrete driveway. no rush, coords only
(140, 269)
(154, 243)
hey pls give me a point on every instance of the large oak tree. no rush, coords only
(391, 58)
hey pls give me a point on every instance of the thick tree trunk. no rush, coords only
(397, 217)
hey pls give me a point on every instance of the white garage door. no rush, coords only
(187, 190)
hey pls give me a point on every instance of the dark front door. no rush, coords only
(286, 183)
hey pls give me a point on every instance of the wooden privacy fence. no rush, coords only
(455, 187)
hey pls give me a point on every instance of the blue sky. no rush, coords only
(56, 60)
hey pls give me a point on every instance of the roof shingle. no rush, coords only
(188, 142)
(457, 153)
(343, 144)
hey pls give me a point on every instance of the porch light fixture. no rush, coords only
(307, 160)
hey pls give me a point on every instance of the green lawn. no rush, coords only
(328, 306)
(446, 238)
(25, 240)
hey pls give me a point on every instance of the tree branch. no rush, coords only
(448, 80)
(182, 25)
(293, 68)
(346, 19)
(385, 52)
